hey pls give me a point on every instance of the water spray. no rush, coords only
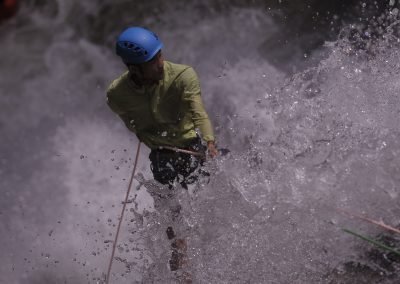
(122, 214)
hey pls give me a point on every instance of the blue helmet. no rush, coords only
(137, 45)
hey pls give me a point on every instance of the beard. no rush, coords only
(157, 77)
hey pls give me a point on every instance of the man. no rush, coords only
(161, 103)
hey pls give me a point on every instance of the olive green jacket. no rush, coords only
(165, 114)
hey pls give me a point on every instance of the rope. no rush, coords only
(122, 215)
(182, 151)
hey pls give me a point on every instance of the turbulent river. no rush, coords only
(310, 136)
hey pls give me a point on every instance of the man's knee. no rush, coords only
(164, 177)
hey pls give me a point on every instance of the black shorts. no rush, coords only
(169, 166)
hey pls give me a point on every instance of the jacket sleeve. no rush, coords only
(192, 98)
(130, 124)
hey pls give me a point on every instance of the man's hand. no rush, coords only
(212, 150)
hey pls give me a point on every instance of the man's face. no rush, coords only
(153, 70)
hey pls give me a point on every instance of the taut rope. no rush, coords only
(193, 153)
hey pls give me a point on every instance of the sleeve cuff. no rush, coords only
(208, 138)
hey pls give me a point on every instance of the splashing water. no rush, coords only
(301, 146)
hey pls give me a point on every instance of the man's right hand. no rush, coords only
(211, 149)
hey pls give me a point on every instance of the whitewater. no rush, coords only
(305, 142)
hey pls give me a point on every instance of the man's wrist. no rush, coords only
(210, 143)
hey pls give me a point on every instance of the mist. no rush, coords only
(304, 96)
